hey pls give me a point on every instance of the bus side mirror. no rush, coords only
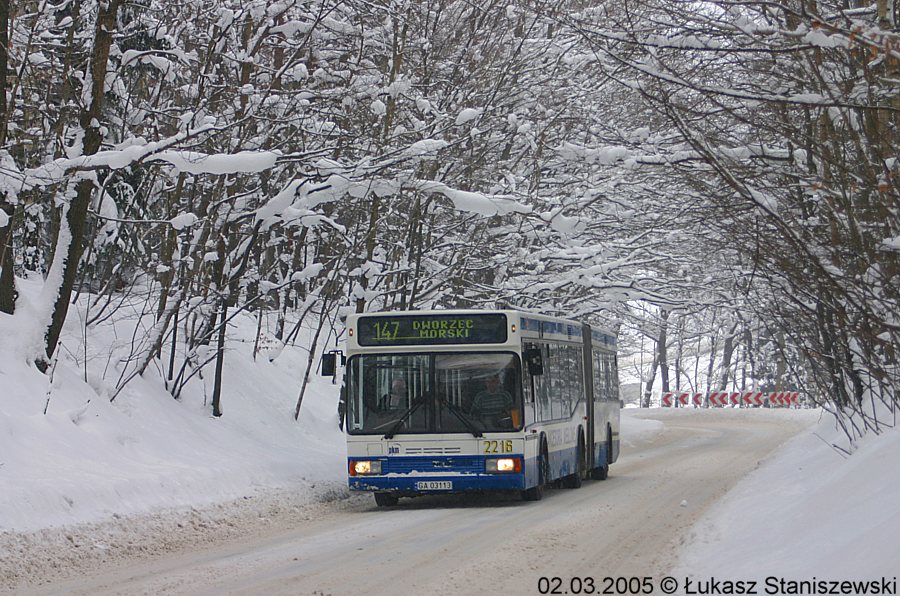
(534, 361)
(329, 364)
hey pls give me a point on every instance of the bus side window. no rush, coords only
(577, 378)
(614, 375)
(612, 390)
(531, 352)
(542, 386)
(557, 382)
(528, 385)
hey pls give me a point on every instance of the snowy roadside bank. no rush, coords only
(69, 455)
(87, 460)
(87, 481)
(807, 513)
(41, 557)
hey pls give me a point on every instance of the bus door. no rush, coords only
(588, 360)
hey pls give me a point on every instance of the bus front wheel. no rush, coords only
(385, 499)
(536, 493)
(602, 471)
(574, 480)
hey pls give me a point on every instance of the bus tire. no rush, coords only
(602, 472)
(609, 445)
(386, 499)
(574, 480)
(536, 493)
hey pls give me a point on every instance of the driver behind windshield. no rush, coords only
(493, 402)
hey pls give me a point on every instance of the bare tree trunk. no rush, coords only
(371, 243)
(7, 271)
(220, 358)
(70, 237)
(397, 48)
(7, 108)
(713, 341)
(259, 316)
(158, 336)
(7, 276)
(727, 353)
(748, 351)
(310, 361)
(222, 286)
(679, 352)
(697, 361)
(780, 364)
(645, 402)
(4, 63)
(661, 349)
(173, 348)
(168, 246)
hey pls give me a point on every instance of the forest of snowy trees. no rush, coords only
(710, 176)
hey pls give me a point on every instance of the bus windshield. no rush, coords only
(460, 392)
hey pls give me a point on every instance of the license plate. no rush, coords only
(435, 485)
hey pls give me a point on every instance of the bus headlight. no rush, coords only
(365, 467)
(503, 465)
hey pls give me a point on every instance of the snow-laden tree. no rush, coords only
(729, 164)
(787, 115)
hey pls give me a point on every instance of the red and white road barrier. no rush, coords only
(785, 398)
(725, 398)
(719, 398)
(668, 399)
(753, 398)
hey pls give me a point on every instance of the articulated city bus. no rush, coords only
(454, 401)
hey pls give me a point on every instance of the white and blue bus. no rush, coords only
(466, 400)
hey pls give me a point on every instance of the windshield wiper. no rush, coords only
(456, 411)
(399, 424)
(464, 418)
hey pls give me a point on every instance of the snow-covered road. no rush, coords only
(627, 526)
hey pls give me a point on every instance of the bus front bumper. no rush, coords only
(418, 485)
(416, 475)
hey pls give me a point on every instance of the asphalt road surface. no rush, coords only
(628, 526)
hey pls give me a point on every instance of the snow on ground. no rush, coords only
(635, 429)
(808, 512)
(85, 459)
(99, 481)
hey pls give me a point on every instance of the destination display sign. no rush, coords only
(417, 330)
